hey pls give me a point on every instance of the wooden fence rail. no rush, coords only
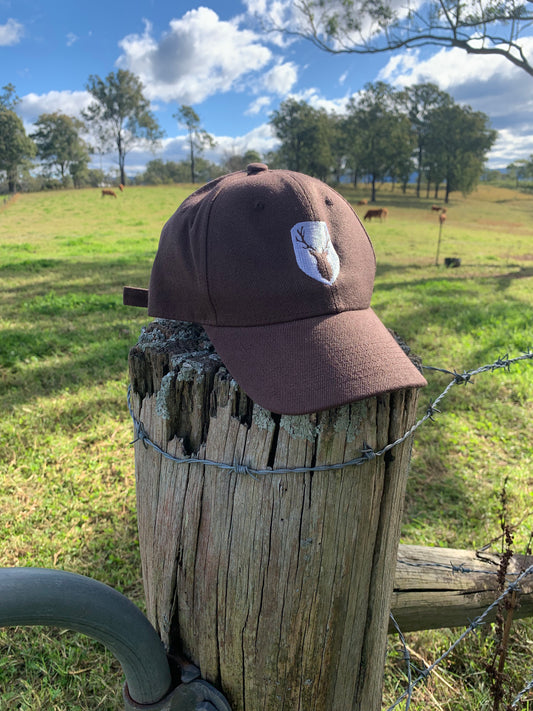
(445, 587)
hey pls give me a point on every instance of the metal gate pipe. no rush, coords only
(40, 596)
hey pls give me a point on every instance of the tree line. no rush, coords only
(388, 135)
(117, 117)
(383, 135)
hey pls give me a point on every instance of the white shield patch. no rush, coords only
(314, 251)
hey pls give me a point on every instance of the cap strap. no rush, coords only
(133, 296)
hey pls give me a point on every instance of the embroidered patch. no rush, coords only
(314, 251)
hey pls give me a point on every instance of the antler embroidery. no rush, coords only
(320, 254)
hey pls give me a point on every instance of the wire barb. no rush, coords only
(474, 624)
(367, 453)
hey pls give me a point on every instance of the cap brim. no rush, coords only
(315, 364)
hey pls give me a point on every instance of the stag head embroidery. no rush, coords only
(314, 251)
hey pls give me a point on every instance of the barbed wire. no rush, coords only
(367, 453)
(407, 659)
(522, 693)
(476, 622)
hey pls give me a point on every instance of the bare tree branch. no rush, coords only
(483, 27)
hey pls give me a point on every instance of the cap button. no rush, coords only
(254, 168)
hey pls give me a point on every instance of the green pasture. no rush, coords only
(67, 495)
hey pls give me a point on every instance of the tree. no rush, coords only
(305, 134)
(386, 140)
(354, 142)
(486, 27)
(120, 114)
(338, 146)
(419, 100)
(521, 169)
(59, 144)
(79, 169)
(458, 142)
(234, 162)
(15, 146)
(158, 172)
(198, 138)
(8, 98)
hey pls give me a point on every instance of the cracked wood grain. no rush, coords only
(278, 588)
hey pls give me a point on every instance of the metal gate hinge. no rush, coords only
(192, 694)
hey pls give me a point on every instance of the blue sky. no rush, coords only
(215, 57)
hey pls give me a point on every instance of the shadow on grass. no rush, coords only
(65, 276)
(438, 273)
(66, 326)
(391, 199)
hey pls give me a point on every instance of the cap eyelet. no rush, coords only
(329, 201)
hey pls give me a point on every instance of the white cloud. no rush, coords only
(285, 19)
(260, 139)
(509, 147)
(11, 33)
(200, 55)
(71, 39)
(449, 67)
(280, 79)
(261, 103)
(274, 14)
(491, 84)
(313, 97)
(65, 102)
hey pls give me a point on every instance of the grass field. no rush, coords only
(66, 467)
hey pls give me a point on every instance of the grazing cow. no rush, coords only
(121, 188)
(442, 217)
(363, 202)
(436, 208)
(108, 191)
(380, 212)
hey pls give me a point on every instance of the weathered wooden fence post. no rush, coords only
(277, 586)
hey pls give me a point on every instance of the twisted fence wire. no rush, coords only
(476, 622)
(367, 453)
(407, 659)
(518, 697)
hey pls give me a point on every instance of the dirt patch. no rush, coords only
(9, 200)
(500, 223)
(522, 257)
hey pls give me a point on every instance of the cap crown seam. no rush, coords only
(325, 314)
(206, 247)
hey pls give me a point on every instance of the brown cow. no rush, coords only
(121, 188)
(363, 202)
(442, 217)
(380, 212)
(436, 208)
(108, 191)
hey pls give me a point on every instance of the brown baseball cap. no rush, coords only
(279, 270)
